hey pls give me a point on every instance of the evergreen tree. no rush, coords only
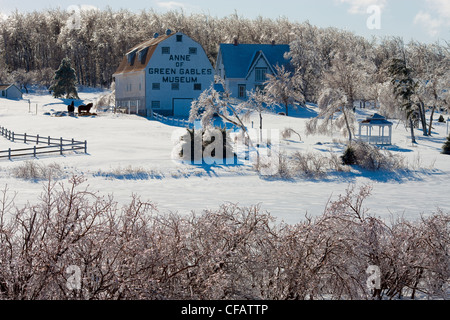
(446, 147)
(64, 81)
(404, 88)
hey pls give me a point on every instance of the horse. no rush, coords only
(85, 109)
(71, 108)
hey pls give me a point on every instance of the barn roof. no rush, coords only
(137, 58)
(239, 59)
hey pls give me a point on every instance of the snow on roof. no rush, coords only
(238, 59)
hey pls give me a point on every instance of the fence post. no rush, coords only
(25, 138)
(61, 146)
(34, 151)
(13, 137)
(85, 146)
(37, 139)
(72, 143)
(48, 140)
(9, 154)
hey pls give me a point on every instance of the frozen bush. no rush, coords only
(32, 170)
(372, 158)
(230, 253)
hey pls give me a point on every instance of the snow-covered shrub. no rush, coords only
(441, 119)
(372, 158)
(288, 132)
(32, 170)
(446, 146)
(311, 165)
(204, 146)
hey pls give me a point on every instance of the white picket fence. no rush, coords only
(173, 121)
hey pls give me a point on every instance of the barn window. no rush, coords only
(156, 86)
(165, 50)
(193, 50)
(197, 86)
(175, 86)
(156, 104)
(142, 55)
(3, 93)
(179, 38)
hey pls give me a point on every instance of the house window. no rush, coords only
(165, 50)
(193, 50)
(197, 86)
(175, 86)
(260, 87)
(242, 91)
(260, 74)
(3, 93)
(140, 86)
(156, 86)
(156, 104)
(179, 38)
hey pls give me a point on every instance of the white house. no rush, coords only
(244, 67)
(10, 91)
(163, 75)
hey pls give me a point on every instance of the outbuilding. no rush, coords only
(10, 91)
(244, 67)
(163, 75)
(376, 130)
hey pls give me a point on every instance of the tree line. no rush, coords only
(33, 44)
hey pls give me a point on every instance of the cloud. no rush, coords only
(170, 5)
(361, 6)
(436, 18)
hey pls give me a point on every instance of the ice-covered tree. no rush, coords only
(256, 102)
(64, 81)
(334, 113)
(284, 88)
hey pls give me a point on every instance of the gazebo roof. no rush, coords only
(377, 120)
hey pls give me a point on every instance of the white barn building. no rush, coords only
(10, 91)
(244, 67)
(163, 75)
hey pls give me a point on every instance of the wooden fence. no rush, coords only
(173, 121)
(49, 145)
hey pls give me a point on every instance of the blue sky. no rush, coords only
(421, 20)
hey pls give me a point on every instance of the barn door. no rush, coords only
(181, 107)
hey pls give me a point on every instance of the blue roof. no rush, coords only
(237, 59)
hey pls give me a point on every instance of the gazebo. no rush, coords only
(376, 130)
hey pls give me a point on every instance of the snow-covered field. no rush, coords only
(117, 142)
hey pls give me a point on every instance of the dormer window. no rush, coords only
(142, 55)
(130, 56)
(179, 38)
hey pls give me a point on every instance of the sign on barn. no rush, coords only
(163, 75)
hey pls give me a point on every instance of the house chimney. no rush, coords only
(236, 42)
